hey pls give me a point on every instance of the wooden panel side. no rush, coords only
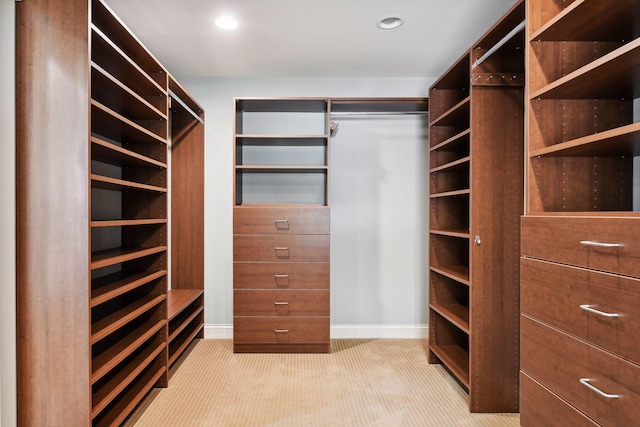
(52, 133)
(497, 197)
(187, 203)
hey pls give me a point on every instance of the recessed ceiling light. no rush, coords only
(389, 23)
(226, 23)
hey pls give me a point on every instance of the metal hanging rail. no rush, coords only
(379, 113)
(501, 43)
(184, 105)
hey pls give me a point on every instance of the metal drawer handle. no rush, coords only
(281, 303)
(281, 223)
(281, 331)
(281, 248)
(601, 244)
(587, 307)
(281, 276)
(585, 382)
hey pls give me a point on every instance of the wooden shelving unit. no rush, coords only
(476, 198)
(95, 163)
(281, 225)
(579, 233)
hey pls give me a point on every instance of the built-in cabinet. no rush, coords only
(97, 326)
(580, 248)
(281, 225)
(476, 132)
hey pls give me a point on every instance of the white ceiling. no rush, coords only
(309, 38)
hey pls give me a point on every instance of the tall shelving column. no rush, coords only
(129, 135)
(92, 134)
(281, 225)
(580, 247)
(476, 199)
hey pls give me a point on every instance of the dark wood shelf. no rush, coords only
(459, 273)
(282, 105)
(113, 285)
(615, 22)
(104, 19)
(126, 346)
(109, 257)
(179, 299)
(109, 91)
(452, 233)
(181, 342)
(454, 143)
(127, 380)
(623, 141)
(183, 322)
(107, 183)
(106, 152)
(113, 59)
(110, 124)
(450, 194)
(126, 222)
(457, 314)
(458, 115)
(456, 359)
(459, 164)
(118, 319)
(612, 76)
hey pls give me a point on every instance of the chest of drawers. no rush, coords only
(281, 279)
(580, 302)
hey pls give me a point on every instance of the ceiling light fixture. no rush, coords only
(389, 23)
(226, 23)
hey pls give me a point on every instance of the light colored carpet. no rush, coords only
(380, 382)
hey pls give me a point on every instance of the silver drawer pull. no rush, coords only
(281, 331)
(281, 276)
(585, 382)
(281, 223)
(601, 244)
(281, 303)
(281, 248)
(587, 307)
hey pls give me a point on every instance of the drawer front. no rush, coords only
(281, 302)
(559, 362)
(541, 408)
(268, 248)
(281, 220)
(281, 275)
(608, 244)
(555, 293)
(284, 330)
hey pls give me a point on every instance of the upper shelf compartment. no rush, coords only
(118, 33)
(450, 90)
(282, 116)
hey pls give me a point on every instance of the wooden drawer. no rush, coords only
(281, 330)
(281, 220)
(558, 239)
(281, 302)
(559, 362)
(281, 275)
(554, 293)
(309, 248)
(541, 408)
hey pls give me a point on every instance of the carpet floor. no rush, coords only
(363, 382)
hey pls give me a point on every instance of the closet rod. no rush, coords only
(498, 45)
(378, 113)
(184, 105)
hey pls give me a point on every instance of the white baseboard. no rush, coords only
(222, 331)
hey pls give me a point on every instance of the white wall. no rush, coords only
(7, 216)
(378, 201)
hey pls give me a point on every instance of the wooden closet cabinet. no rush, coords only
(93, 128)
(281, 226)
(476, 136)
(580, 235)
